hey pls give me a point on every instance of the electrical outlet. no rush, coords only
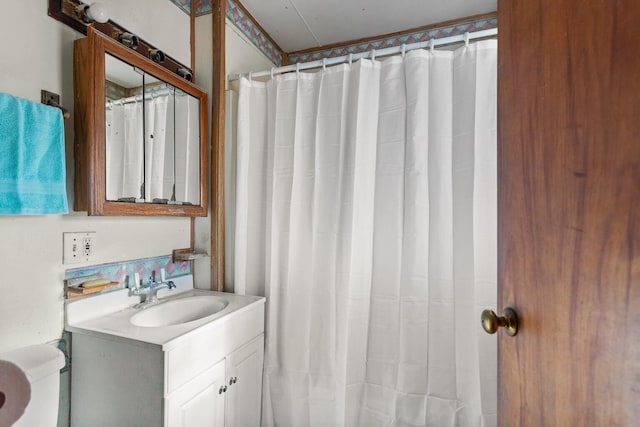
(78, 247)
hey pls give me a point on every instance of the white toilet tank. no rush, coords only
(41, 365)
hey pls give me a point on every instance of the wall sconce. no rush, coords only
(129, 40)
(95, 12)
(185, 74)
(156, 55)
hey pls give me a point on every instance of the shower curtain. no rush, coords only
(366, 214)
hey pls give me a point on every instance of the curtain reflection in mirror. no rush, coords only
(170, 155)
(187, 153)
(124, 152)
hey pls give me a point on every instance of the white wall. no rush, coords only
(37, 53)
(241, 57)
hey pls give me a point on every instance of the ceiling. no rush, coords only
(302, 24)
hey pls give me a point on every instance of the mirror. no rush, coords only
(143, 135)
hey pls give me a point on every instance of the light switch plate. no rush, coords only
(78, 247)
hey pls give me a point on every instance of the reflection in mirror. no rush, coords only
(187, 154)
(124, 131)
(159, 141)
(166, 167)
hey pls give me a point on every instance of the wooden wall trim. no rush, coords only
(217, 145)
(192, 36)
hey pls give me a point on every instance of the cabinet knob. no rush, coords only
(233, 380)
(223, 389)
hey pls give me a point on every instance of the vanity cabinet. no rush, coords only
(210, 376)
(226, 394)
(140, 134)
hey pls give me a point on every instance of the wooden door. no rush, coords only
(569, 211)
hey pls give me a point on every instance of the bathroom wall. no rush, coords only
(37, 53)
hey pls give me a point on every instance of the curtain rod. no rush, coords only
(370, 54)
(147, 96)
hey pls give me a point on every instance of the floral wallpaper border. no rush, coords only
(203, 7)
(243, 22)
(399, 40)
(249, 28)
(118, 271)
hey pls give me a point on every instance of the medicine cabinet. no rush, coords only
(140, 134)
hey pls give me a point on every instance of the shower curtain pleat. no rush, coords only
(365, 213)
(132, 163)
(157, 111)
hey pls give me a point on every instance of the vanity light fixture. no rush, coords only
(185, 74)
(156, 55)
(82, 16)
(129, 40)
(95, 12)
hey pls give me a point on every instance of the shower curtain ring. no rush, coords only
(350, 58)
(297, 68)
(432, 44)
(404, 49)
(466, 39)
(250, 76)
(373, 54)
(272, 68)
(324, 64)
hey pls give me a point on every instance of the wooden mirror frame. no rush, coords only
(90, 136)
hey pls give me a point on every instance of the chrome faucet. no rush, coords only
(149, 292)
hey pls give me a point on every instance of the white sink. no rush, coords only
(167, 324)
(179, 311)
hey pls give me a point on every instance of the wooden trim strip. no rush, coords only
(192, 36)
(217, 145)
(192, 43)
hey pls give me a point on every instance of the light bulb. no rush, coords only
(97, 12)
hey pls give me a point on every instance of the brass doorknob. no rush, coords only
(491, 321)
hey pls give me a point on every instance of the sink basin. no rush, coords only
(179, 311)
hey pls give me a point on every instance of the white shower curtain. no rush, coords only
(366, 213)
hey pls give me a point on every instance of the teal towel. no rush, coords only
(32, 163)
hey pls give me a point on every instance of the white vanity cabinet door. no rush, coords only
(244, 382)
(200, 402)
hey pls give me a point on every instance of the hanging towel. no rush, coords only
(32, 163)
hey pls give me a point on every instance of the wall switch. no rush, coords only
(78, 247)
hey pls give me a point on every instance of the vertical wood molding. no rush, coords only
(192, 35)
(217, 146)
